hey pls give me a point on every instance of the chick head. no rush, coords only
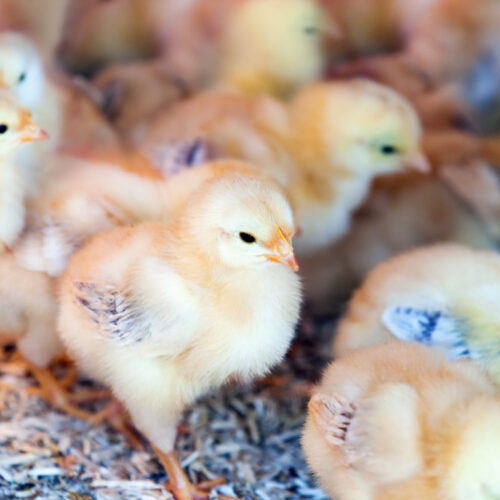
(21, 68)
(274, 46)
(243, 214)
(356, 127)
(16, 125)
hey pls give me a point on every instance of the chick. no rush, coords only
(73, 122)
(164, 313)
(130, 94)
(16, 128)
(286, 50)
(443, 296)
(326, 163)
(397, 421)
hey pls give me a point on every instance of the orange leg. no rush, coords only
(52, 390)
(180, 485)
(115, 415)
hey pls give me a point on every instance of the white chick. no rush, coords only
(397, 421)
(325, 146)
(164, 313)
(72, 120)
(16, 128)
(444, 296)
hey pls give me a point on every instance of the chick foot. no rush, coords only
(179, 484)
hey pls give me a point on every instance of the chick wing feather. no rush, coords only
(435, 328)
(114, 312)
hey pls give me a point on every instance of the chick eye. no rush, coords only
(247, 238)
(310, 30)
(388, 149)
(21, 78)
(3, 128)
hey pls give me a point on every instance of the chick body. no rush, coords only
(397, 421)
(443, 296)
(194, 304)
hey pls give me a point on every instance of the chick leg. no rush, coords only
(116, 417)
(180, 485)
(52, 390)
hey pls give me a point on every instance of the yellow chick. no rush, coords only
(442, 296)
(325, 146)
(273, 46)
(397, 421)
(16, 128)
(162, 313)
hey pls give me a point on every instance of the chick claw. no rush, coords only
(179, 484)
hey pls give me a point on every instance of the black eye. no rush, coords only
(388, 150)
(3, 128)
(21, 78)
(310, 30)
(247, 238)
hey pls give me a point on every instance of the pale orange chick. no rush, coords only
(397, 421)
(163, 313)
(444, 296)
(325, 146)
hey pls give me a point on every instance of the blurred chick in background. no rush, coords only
(397, 421)
(325, 146)
(164, 313)
(286, 49)
(16, 128)
(443, 296)
(131, 94)
(74, 123)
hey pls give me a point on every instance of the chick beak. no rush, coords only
(282, 252)
(32, 132)
(417, 163)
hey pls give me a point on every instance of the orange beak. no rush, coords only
(417, 163)
(282, 252)
(32, 132)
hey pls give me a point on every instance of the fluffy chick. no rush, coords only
(325, 146)
(16, 127)
(286, 50)
(443, 296)
(163, 313)
(72, 120)
(397, 421)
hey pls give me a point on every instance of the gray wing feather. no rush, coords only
(113, 311)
